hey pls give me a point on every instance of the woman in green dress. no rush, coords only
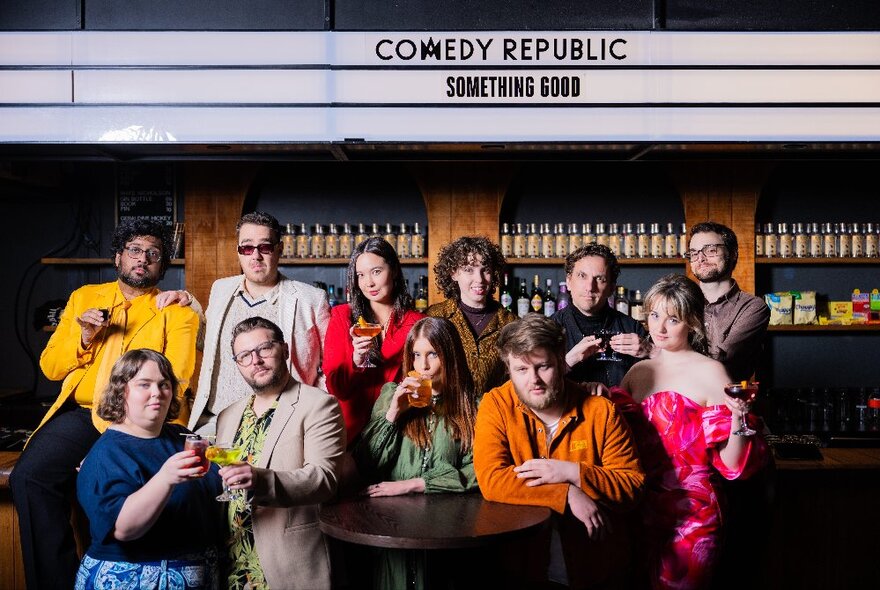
(407, 449)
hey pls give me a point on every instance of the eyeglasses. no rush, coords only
(708, 251)
(246, 357)
(248, 249)
(135, 252)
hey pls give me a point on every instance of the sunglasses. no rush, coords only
(263, 249)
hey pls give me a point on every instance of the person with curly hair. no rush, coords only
(468, 272)
(150, 504)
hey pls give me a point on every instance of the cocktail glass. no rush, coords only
(605, 336)
(224, 454)
(747, 391)
(198, 444)
(423, 391)
(371, 330)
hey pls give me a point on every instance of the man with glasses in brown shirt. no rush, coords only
(735, 320)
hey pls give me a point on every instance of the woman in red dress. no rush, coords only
(682, 422)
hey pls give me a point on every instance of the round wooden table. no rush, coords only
(427, 521)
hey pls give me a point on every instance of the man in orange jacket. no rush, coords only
(544, 440)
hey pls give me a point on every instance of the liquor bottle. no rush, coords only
(587, 233)
(670, 242)
(533, 241)
(643, 241)
(346, 241)
(575, 239)
(858, 241)
(422, 294)
(331, 243)
(302, 241)
(786, 241)
(331, 295)
(288, 241)
(519, 242)
(560, 241)
(801, 241)
(522, 300)
(615, 239)
(759, 240)
(390, 236)
(564, 298)
(548, 241)
(506, 240)
(771, 241)
(404, 242)
(549, 299)
(506, 296)
(374, 231)
(536, 300)
(417, 247)
(601, 235)
(815, 241)
(844, 241)
(682, 240)
(361, 234)
(621, 301)
(317, 243)
(656, 241)
(829, 241)
(630, 245)
(637, 308)
(872, 241)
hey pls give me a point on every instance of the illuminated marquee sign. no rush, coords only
(438, 86)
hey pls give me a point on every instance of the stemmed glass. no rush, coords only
(364, 328)
(605, 335)
(744, 391)
(224, 454)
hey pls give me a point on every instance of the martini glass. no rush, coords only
(747, 391)
(224, 454)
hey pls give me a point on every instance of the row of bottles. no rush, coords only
(817, 240)
(306, 241)
(626, 240)
(818, 410)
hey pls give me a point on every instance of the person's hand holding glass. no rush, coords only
(230, 459)
(745, 391)
(363, 333)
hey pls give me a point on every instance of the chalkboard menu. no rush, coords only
(145, 191)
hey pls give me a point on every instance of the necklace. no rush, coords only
(432, 420)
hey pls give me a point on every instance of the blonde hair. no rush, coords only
(684, 298)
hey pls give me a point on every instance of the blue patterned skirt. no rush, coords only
(190, 572)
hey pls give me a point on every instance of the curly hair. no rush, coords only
(459, 407)
(594, 250)
(465, 251)
(684, 298)
(112, 404)
(264, 219)
(129, 229)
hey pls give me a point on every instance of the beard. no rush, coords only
(144, 282)
(548, 400)
(714, 274)
(277, 378)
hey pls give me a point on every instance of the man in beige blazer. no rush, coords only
(301, 310)
(294, 436)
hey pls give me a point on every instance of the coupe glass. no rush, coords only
(744, 391)
(224, 454)
(367, 329)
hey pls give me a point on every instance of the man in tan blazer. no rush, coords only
(294, 437)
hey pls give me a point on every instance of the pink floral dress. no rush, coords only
(682, 511)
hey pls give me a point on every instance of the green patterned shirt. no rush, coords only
(245, 571)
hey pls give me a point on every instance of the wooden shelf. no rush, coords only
(815, 328)
(95, 261)
(340, 261)
(793, 260)
(620, 261)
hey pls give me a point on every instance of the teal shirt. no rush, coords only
(386, 454)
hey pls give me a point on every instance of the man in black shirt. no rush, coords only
(591, 275)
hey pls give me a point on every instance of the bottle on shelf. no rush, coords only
(523, 306)
(682, 240)
(615, 239)
(390, 236)
(404, 242)
(872, 240)
(844, 241)
(829, 241)
(670, 242)
(874, 410)
(587, 234)
(374, 231)
(417, 246)
(563, 300)
(331, 242)
(771, 243)
(533, 241)
(302, 242)
(815, 240)
(630, 245)
(288, 241)
(422, 294)
(361, 234)
(759, 240)
(643, 241)
(519, 241)
(506, 240)
(621, 301)
(656, 241)
(548, 241)
(317, 242)
(331, 295)
(346, 241)
(575, 238)
(637, 308)
(858, 241)
(786, 241)
(549, 299)
(560, 241)
(536, 299)
(601, 235)
(801, 241)
(506, 297)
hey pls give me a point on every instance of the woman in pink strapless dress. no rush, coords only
(681, 420)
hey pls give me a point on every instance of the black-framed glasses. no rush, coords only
(264, 249)
(245, 358)
(708, 251)
(151, 254)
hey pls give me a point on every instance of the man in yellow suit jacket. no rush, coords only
(99, 324)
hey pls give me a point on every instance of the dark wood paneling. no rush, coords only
(40, 15)
(203, 15)
(772, 15)
(476, 15)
